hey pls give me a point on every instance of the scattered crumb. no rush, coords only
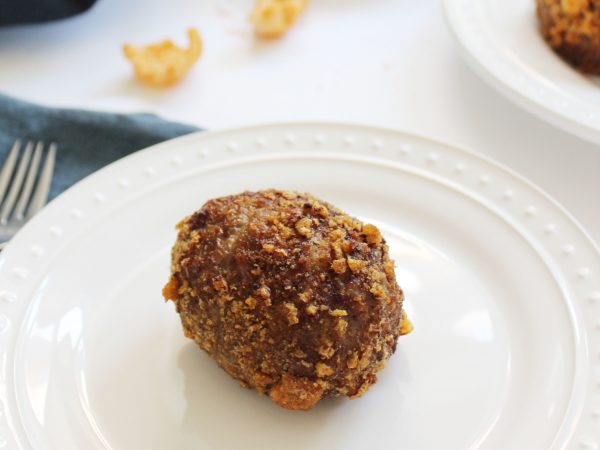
(164, 64)
(273, 18)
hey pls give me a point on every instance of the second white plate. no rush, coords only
(501, 41)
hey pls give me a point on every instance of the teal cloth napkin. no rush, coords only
(86, 140)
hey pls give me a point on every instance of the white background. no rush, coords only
(382, 62)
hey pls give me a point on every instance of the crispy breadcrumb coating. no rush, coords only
(288, 294)
(572, 28)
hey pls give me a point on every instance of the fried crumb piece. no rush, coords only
(261, 381)
(303, 227)
(340, 327)
(323, 370)
(171, 289)
(346, 246)
(290, 195)
(377, 275)
(164, 64)
(321, 210)
(356, 265)
(304, 297)
(352, 362)
(388, 268)
(269, 248)
(219, 283)
(280, 252)
(339, 266)
(311, 309)
(336, 246)
(365, 358)
(285, 232)
(372, 233)
(273, 18)
(251, 302)
(337, 234)
(296, 393)
(292, 313)
(377, 290)
(264, 292)
(405, 325)
(326, 350)
(338, 312)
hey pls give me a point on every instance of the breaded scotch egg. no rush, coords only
(572, 29)
(288, 294)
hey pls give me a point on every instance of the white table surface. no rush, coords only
(390, 63)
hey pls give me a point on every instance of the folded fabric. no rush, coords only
(86, 140)
(30, 11)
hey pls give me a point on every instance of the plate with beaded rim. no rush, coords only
(501, 41)
(501, 283)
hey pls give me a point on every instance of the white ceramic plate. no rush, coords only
(502, 285)
(501, 41)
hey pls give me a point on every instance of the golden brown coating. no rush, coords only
(164, 64)
(572, 28)
(288, 294)
(273, 18)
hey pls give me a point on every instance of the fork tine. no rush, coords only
(19, 212)
(40, 196)
(15, 186)
(7, 168)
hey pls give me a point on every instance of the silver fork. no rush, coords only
(18, 199)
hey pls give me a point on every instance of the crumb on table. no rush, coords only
(273, 18)
(164, 64)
